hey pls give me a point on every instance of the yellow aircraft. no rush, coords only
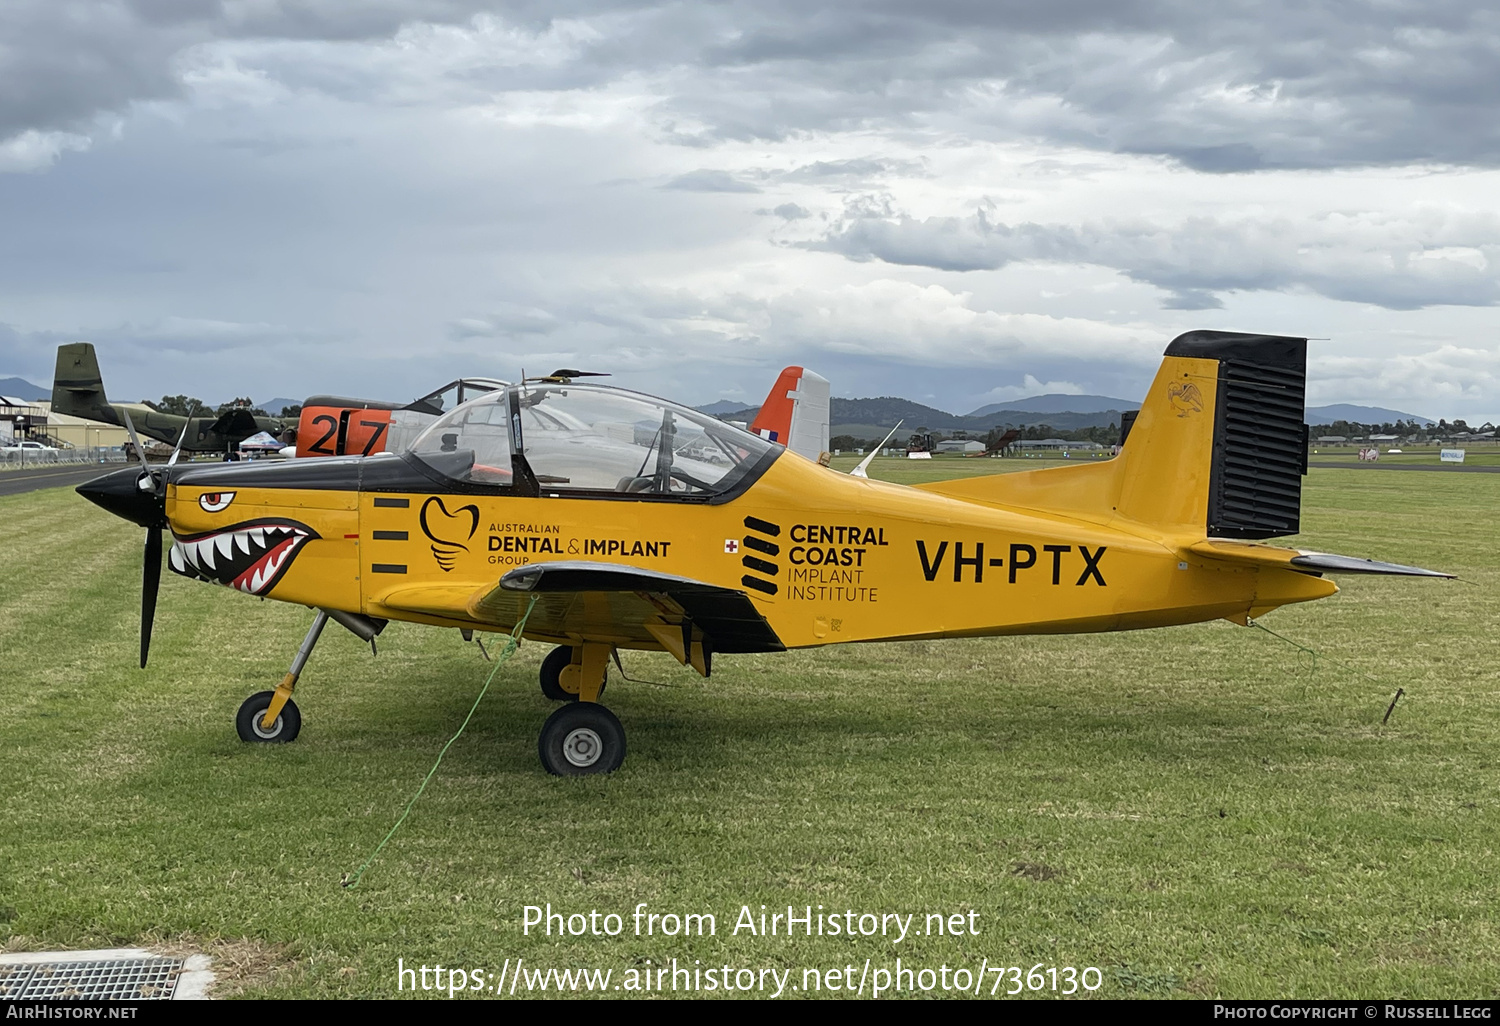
(636, 523)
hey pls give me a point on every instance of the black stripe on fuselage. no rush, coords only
(384, 473)
(387, 472)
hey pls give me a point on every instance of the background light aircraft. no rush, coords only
(337, 426)
(795, 414)
(612, 520)
(78, 391)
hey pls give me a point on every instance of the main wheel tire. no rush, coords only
(247, 721)
(552, 668)
(581, 739)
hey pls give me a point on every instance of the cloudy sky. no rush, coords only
(958, 201)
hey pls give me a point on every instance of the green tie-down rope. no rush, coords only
(513, 643)
(1337, 662)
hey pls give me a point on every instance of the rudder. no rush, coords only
(795, 414)
(1217, 449)
(77, 385)
(1220, 447)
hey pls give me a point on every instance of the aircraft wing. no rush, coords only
(1308, 562)
(603, 602)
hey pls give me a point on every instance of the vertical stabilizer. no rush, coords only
(78, 387)
(1217, 450)
(795, 414)
(1219, 445)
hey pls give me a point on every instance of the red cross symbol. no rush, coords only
(731, 546)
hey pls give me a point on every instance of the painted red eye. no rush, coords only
(213, 502)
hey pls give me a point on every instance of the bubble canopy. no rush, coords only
(556, 439)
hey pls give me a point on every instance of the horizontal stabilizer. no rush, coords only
(1305, 562)
(1327, 562)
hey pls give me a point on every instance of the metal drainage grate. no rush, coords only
(115, 979)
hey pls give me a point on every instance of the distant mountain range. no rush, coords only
(869, 418)
(1056, 402)
(1360, 415)
(724, 408)
(20, 388)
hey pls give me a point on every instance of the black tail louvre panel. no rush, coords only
(1255, 485)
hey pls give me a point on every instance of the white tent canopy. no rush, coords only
(261, 442)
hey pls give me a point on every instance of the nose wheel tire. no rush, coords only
(247, 721)
(552, 668)
(581, 739)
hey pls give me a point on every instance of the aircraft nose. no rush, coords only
(129, 494)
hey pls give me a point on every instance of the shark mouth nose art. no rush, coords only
(250, 557)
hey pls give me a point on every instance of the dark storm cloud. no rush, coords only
(64, 62)
(1226, 87)
(1397, 263)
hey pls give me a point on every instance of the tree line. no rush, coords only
(188, 406)
(1408, 430)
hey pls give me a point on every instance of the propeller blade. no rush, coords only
(135, 439)
(150, 583)
(176, 452)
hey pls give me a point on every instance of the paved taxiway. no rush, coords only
(15, 482)
(1443, 468)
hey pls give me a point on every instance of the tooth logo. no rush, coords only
(441, 527)
(249, 557)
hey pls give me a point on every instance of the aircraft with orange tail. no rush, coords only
(604, 520)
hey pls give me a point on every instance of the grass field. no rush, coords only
(1199, 811)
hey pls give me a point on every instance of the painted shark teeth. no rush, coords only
(250, 559)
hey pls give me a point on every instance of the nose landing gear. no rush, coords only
(271, 716)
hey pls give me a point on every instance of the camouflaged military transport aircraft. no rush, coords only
(78, 391)
(639, 524)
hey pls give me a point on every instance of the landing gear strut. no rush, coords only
(564, 670)
(270, 725)
(272, 716)
(582, 737)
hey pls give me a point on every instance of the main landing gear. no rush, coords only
(579, 739)
(271, 717)
(582, 737)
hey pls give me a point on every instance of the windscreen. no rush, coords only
(587, 438)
